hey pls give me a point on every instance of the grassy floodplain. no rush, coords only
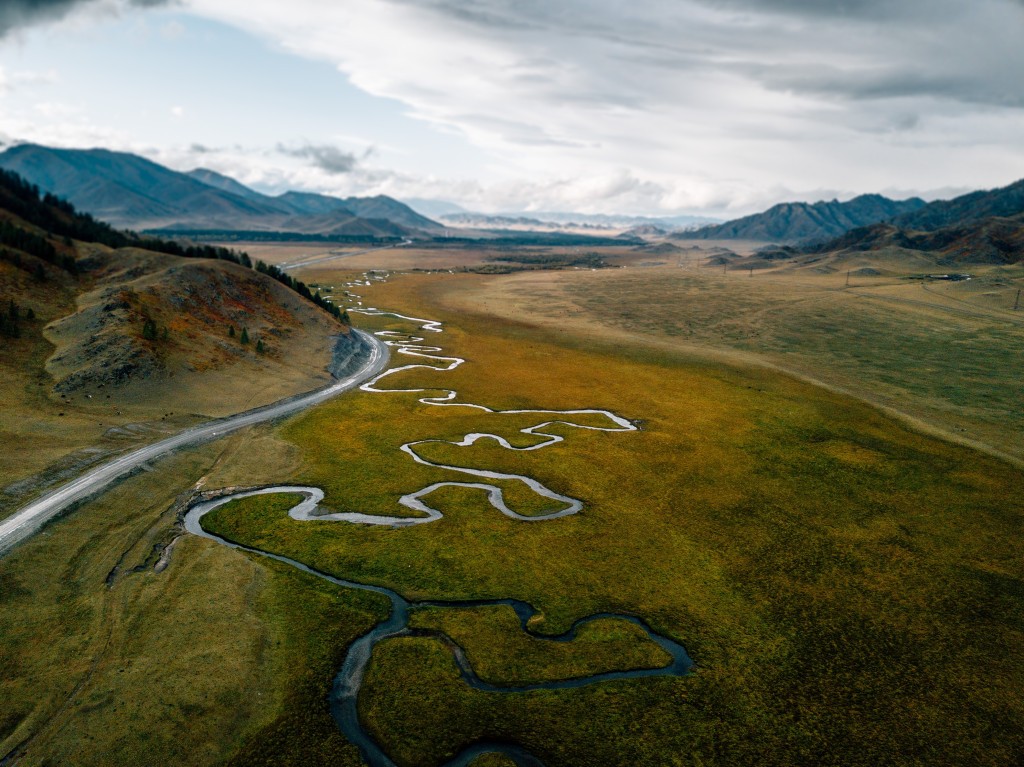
(849, 589)
(944, 354)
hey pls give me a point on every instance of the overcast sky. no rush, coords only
(719, 107)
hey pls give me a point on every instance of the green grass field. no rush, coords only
(849, 589)
(105, 661)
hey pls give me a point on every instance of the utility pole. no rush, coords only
(847, 278)
(1016, 303)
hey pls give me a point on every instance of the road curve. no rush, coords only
(27, 520)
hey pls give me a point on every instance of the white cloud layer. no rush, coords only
(657, 105)
(686, 104)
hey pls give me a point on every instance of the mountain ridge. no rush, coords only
(793, 222)
(979, 227)
(130, 191)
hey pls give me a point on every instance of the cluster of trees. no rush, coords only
(150, 333)
(244, 338)
(10, 320)
(51, 213)
(27, 242)
(59, 218)
(303, 290)
(193, 251)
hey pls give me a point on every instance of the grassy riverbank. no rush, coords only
(105, 661)
(849, 589)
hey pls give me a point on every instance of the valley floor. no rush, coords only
(848, 587)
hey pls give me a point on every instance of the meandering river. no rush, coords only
(348, 682)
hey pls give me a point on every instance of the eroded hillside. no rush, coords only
(105, 347)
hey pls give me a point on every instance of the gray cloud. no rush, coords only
(327, 158)
(854, 50)
(484, 13)
(15, 14)
(814, 8)
(651, 104)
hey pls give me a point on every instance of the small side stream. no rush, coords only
(347, 683)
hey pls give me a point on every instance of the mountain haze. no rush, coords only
(224, 183)
(123, 189)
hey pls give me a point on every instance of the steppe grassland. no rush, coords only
(848, 587)
(947, 355)
(405, 257)
(438, 257)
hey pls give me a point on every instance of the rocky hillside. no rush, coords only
(977, 228)
(132, 192)
(146, 326)
(969, 208)
(992, 240)
(804, 222)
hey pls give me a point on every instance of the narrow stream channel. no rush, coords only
(348, 682)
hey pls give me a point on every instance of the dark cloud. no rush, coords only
(15, 14)
(327, 158)
(999, 89)
(865, 9)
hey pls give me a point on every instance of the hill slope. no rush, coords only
(977, 228)
(993, 240)
(124, 189)
(224, 183)
(103, 337)
(976, 206)
(130, 191)
(801, 221)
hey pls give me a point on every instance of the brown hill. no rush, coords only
(101, 341)
(1004, 202)
(993, 240)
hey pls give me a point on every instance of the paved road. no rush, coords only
(29, 519)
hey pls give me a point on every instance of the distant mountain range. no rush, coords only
(969, 208)
(792, 222)
(130, 191)
(457, 216)
(980, 227)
